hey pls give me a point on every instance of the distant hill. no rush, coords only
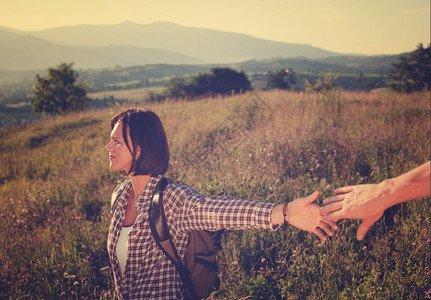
(11, 30)
(27, 52)
(160, 50)
(371, 64)
(337, 64)
(128, 44)
(207, 45)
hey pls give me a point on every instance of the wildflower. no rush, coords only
(67, 276)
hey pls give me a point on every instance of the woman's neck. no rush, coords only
(139, 182)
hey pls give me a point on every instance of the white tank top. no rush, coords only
(122, 247)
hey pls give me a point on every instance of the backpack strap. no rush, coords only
(160, 231)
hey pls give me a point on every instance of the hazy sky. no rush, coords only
(346, 26)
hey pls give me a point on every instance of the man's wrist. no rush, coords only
(386, 193)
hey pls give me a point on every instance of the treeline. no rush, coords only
(410, 73)
(398, 72)
(13, 96)
(135, 77)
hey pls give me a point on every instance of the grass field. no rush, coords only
(275, 146)
(136, 95)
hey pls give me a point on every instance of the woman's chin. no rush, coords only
(112, 167)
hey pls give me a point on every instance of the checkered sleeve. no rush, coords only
(197, 212)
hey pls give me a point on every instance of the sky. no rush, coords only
(368, 27)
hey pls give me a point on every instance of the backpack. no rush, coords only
(199, 270)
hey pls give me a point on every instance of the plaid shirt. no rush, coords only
(149, 274)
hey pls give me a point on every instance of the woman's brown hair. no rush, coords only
(146, 132)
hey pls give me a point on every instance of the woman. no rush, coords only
(139, 149)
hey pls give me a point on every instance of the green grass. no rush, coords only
(136, 95)
(55, 187)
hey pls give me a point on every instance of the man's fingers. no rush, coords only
(363, 228)
(333, 199)
(344, 190)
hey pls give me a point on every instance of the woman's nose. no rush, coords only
(108, 146)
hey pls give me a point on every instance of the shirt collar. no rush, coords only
(148, 192)
(120, 194)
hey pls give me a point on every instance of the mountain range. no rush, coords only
(128, 44)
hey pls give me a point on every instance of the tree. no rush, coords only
(280, 79)
(224, 81)
(59, 93)
(177, 87)
(201, 85)
(412, 72)
(220, 81)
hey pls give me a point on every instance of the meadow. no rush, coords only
(276, 146)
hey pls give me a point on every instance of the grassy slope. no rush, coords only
(55, 187)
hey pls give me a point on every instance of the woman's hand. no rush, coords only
(304, 215)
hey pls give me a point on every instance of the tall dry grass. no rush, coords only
(273, 146)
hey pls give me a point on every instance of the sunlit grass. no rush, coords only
(273, 146)
(137, 94)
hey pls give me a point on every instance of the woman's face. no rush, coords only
(120, 158)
